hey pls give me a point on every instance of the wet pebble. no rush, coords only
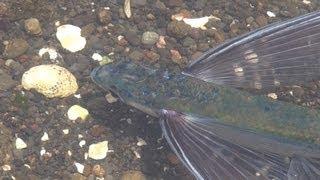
(175, 56)
(76, 111)
(261, 20)
(149, 38)
(104, 16)
(50, 80)
(136, 55)
(98, 150)
(152, 56)
(33, 26)
(98, 171)
(20, 144)
(15, 48)
(132, 37)
(3, 8)
(178, 29)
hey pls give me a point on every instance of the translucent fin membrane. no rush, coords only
(281, 54)
(210, 156)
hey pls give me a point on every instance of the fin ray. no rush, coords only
(266, 57)
(210, 155)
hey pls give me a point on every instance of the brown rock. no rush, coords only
(104, 16)
(3, 9)
(98, 171)
(33, 26)
(175, 56)
(152, 56)
(261, 20)
(178, 29)
(15, 48)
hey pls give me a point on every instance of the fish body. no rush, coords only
(221, 132)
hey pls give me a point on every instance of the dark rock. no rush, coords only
(133, 38)
(136, 55)
(178, 29)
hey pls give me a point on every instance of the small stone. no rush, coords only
(82, 143)
(6, 167)
(161, 42)
(261, 20)
(218, 36)
(98, 171)
(178, 29)
(188, 41)
(110, 99)
(234, 27)
(273, 96)
(80, 167)
(133, 175)
(6, 81)
(51, 51)
(271, 14)
(96, 57)
(132, 38)
(50, 80)
(141, 142)
(45, 137)
(76, 111)
(33, 26)
(65, 131)
(152, 56)
(70, 37)
(151, 17)
(3, 9)
(175, 56)
(20, 144)
(181, 15)
(136, 55)
(104, 16)
(149, 38)
(15, 48)
(98, 151)
(97, 130)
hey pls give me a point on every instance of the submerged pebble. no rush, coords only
(76, 112)
(33, 26)
(50, 80)
(98, 151)
(15, 48)
(70, 37)
(20, 144)
(149, 38)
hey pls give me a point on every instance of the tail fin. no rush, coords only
(281, 54)
(210, 155)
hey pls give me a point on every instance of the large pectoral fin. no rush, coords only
(281, 54)
(201, 145)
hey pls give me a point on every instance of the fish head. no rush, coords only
(128, 81)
